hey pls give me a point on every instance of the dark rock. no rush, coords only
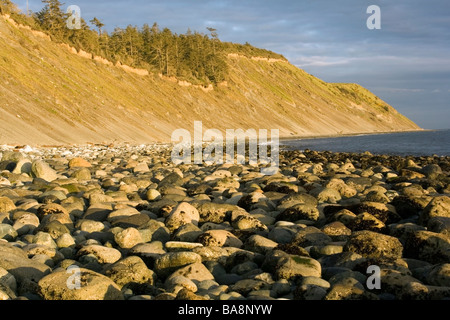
(428, 246)
(372, 244)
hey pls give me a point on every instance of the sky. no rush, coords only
(406, 62)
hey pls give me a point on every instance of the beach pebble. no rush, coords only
(40, 169)
(182, 214)
(128, 238)
(92, 286)
(130, 270)
(375, 245)
(102, 253)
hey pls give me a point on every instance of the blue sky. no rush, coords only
(406, 63)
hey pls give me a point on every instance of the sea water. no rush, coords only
(419, 143)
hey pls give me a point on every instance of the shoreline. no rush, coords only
(159, 143)
(138, 227)
(355, 134)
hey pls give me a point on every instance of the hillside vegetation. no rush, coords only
(55, 93)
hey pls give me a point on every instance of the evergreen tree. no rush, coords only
(51, 18)
(98, 24)
(6, 7)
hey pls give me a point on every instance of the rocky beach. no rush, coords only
(122, 222)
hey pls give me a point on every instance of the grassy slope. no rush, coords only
(51, 96)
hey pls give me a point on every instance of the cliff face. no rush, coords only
(50, 94)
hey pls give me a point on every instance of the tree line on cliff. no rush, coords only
(193, 56)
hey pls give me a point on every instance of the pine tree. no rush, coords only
(6, 6)
(98, 24)
(51, 18)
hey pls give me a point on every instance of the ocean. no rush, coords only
(421, 143)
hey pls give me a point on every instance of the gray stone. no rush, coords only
(438, 207)
(130, 270)
(246, 222)
(24, 270)
(299, 212)
(309, 292)
(196, 272)
(327, 195)
(439, 275)
(6, 205)
(7, 232)
(292, 267)
(170, 262)
(177, 283)
(219, 238)
(182, 214)
(428, 246)
(40, 169)
(439, 225)
(128, 238)
(44, 238)
(121, 213)
(259, 244)
(311, 236)
(188, 232)
(153, 195)
(7, 280)
(103, 254)
(181, 246)
(26, 223)
(93, 286)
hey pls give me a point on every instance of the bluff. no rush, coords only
(52, 94)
